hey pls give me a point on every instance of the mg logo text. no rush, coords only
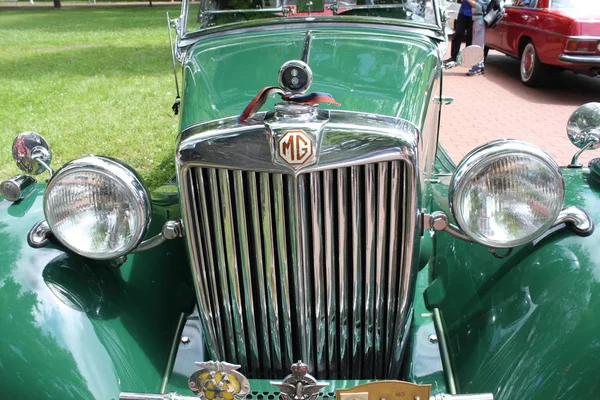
(295, 147)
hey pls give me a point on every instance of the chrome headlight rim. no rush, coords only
(486, 154)
(113, 169)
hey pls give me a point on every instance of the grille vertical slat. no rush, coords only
(247, 277)
(304, 267)
(303, 276)
(357, 269)
(263, 229)
(211, 311)
(316, 198)
(231, 258)
(370, 191)
(330, 270)
(261, 272)
(393, 258)
(404, 304)
(344, 277)
(282, 253)
(381, 269)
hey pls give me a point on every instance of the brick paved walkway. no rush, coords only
(498, 105)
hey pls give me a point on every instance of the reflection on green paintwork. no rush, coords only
(74, 328)
(526, 326)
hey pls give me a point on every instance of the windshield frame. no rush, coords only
(184, 34)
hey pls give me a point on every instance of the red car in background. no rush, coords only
(549, 34)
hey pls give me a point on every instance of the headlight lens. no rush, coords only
(97, 207)
(506, 193)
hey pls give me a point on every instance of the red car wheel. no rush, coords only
(533, 71)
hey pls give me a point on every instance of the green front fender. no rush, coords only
(75, 328)
(527, 326)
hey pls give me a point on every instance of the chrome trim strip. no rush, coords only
(589, 60)
(369, 248)
(549, 32)
(265, 325)
(381, 270)
(330, 271)
(172, 353)
(282, 252)
(247, 278)
(394, 25)
(317, 267)
(445, 354)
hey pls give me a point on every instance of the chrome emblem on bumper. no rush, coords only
(218, 381)
(299, 385)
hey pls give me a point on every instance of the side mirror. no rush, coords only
(32, 153)
(468, 57)
(583, 130)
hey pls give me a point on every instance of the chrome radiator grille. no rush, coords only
(307, 267)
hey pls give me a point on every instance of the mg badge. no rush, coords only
(219, 381)
(299, 385)
(295, 147)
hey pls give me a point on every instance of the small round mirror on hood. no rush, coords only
(583, 127)
(32, 153)
(470, 56)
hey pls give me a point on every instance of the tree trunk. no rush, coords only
(57, 4)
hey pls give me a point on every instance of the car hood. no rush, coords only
(579, 14)
(365, 69)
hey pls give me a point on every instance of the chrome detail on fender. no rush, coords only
(17, 188)
(573, 217)
(32, 153)
(217, 380)
(300, 385)
(285, 217)
(39, 235)
(170, 230)
(438, 221)
(576, 219)
(583, 130)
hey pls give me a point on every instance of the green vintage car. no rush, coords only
(317, 242)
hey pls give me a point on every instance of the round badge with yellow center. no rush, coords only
(218, 381)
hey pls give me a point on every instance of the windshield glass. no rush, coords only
(580, 4)
(202, 14)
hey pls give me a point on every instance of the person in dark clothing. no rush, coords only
(463, 30)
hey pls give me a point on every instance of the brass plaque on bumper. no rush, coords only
(385, 390)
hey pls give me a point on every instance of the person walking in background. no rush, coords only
(479, 6)
(463, 30)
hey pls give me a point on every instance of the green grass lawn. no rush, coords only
(92, 81)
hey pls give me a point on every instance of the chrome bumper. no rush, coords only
(593, 61)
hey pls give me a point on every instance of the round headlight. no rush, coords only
(506, 193)
(97, 207)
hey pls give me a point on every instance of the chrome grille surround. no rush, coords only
(269, 239)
